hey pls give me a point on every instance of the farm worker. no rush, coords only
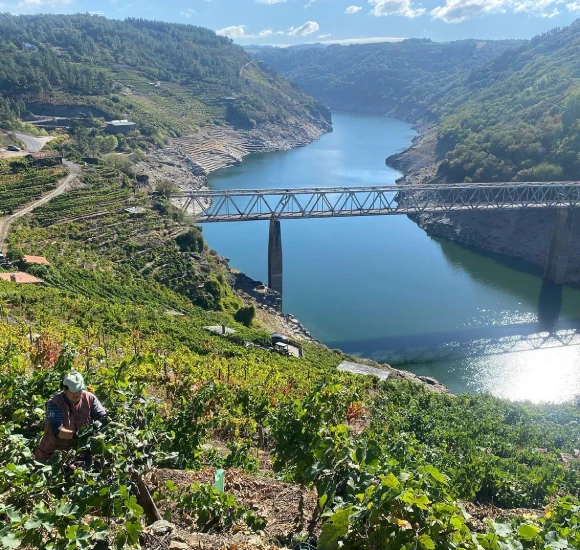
(66, 412)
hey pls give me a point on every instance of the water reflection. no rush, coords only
(467, 343)
(380, 287)
(519, 361)
(550, 304)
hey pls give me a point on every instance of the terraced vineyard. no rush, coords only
(388, 465)
(20, 185)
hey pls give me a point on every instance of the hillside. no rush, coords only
(167, 78)
(517, 117)
(402, 79)
(132, 297)
(505, 110)
(507, 113)
(361, 463)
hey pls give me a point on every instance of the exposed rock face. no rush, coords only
(220, 147)
(520, 234)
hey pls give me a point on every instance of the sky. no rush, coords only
(286, 22)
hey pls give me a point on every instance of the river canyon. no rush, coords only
(381, 288)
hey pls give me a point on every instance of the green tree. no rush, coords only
(245, 315)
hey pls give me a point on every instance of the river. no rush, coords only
(380, 287)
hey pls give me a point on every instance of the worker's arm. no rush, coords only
(54, 418)
(98, 412)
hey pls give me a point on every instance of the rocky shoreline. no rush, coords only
(520, 235)
(187, 162)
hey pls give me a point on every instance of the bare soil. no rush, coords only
(288, 509)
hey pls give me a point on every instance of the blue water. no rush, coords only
(381, 288)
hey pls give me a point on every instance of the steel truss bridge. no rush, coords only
(268, 204)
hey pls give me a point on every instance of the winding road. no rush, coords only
(5, 223)
(34, 144)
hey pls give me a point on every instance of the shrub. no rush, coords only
(245, 315)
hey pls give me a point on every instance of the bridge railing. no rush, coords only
(264, 204)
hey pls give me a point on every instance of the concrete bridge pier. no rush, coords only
(275, 257)
(558, 255)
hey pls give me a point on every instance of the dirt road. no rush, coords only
(5, 223)
(33, 144)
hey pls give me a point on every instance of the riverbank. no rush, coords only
(188, 161)
(520, 235)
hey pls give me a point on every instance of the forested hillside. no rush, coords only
(517, 117)
(403, 79)
(505, 110)
(168, 78)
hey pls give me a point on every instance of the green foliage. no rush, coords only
(165, 189)
(56, 506)
(403, 79)
(245, 315)
(167, 78)
(517, 117)
(216, 511)
(382, 490)
(191, 241)
(122, 163)
(20, 184)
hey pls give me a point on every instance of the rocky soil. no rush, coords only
(288, 509)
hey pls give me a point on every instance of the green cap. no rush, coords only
(74, 381)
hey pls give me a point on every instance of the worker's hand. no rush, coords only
(97, 425)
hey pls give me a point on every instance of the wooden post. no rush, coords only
(145, 501)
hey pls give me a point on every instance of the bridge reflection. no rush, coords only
(548, 332)
(465, 343)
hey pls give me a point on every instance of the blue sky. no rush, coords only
(297, 21)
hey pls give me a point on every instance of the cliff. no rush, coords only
(521, 235)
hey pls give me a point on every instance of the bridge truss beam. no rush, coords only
(250, 205)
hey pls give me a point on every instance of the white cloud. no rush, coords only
(324, 35)
(404, 8)
(549, 15)
(457, 11)
(239, 31)
(270, 1)
(537, 7)
(235, 31)
(304, 30)
(352, 9)
(268, 32)
(188, 12)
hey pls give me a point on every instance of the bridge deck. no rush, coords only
(264, 204)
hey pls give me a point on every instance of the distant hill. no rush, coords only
(167, 77)
(506, 110)
(518, 116)
(402, 78)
